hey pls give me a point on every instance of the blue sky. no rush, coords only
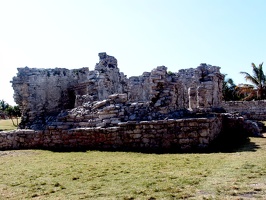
(141, 34)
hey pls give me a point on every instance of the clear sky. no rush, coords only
(141, 34)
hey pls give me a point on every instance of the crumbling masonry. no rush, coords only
(104, 97)
(103, 109)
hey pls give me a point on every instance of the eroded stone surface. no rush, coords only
(255, 110)
(103, 109)
(42, 93)
(163, 135)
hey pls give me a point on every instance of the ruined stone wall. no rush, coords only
(204, 86)
(162, 135)
(194, 89)
(255, 110)
(103, 109)
(42, 93)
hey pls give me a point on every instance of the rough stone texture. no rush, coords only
(163, 135)
(193, 134)
(237, 124)
(103, 109)
(45, 92)
(254, 110)
(39, 92)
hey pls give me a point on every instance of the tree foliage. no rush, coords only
(12, 112)
(230, 90)
(3, 105)
(258, 80)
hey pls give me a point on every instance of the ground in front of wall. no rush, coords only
(41, 174)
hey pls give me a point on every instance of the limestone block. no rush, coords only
(107, 116)
(82, 124)
(145, 140)
(184, 141)
(108, 109)
(204, 140)
(193, 134)
(118, 98)
(203, 132)
(115, 120)
(100, 104)
(135, 136)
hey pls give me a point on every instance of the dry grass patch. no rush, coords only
(6, 124)
(40, 174)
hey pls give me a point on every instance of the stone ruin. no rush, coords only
(103, 109)
(105, 97)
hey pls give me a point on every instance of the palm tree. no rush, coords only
(229, 89)
(258, 80)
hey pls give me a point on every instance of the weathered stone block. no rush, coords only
(203, 132)
(204, 140)
(184, 141)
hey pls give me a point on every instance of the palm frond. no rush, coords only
(255, 70)
(258, 80)
(263, 78)
(250, 78)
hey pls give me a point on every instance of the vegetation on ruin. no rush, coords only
(40, 174)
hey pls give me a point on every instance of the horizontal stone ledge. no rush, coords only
(94, 129)
(168, 121)
(21, 131)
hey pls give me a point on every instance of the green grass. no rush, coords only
(40, 174)
(7, 124)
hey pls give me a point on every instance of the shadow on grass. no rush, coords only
(232, 145)
(249, 146)
(221, 145)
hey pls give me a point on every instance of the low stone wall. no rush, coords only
(162, 135)
(255, 110)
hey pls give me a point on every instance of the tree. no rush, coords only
(246, 92)
(13, 112)
(258, 80)
(229, 90)
(3, 105)
(10, 111)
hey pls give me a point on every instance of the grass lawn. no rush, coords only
(40, 174)
(7, 124)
